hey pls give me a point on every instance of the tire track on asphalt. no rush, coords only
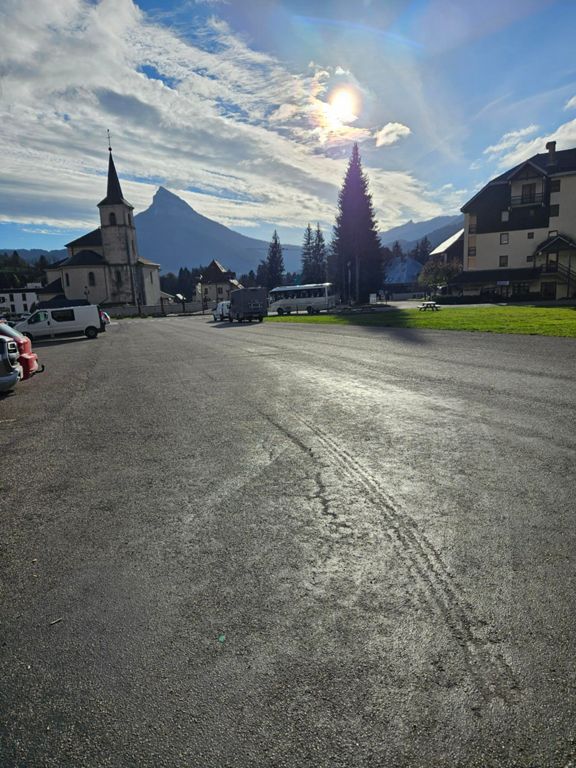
(434, 582)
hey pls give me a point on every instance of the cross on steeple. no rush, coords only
(109, 144)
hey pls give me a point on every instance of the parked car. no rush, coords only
(221, 311)
(10, 370)
(62, 321)
(27, 359)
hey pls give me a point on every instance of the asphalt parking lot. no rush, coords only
(282, 545)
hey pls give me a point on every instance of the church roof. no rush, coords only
(91, 239)
(85, 258)
(147, 262)
(114, 191)
(54, 287)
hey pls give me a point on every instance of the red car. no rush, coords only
(27, 359)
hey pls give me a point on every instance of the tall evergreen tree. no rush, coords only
(318, 257)
(307, 256)
(274, 263)
(355, 252)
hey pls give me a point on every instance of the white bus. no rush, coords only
(294, 298)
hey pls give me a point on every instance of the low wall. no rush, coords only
(156, 310)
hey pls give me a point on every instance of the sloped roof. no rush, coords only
(146, 262)
(402, 270)
(557, 242)
(54, 287)
(85, 258)
(90, 240)
(564, 162)
(443, 247)
(216, 273)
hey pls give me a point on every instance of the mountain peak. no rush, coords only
(163, 195)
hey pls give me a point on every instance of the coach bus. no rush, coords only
(310, 298)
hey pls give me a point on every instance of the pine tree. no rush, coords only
(318, 257)
(274, 263)
(307, 256)
(355, 252)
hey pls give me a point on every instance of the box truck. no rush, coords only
(248, 304)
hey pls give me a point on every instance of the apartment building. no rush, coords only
(520, 231)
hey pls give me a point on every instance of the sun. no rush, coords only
(343, 105)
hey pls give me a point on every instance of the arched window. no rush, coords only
(112, 219)
(91, 279)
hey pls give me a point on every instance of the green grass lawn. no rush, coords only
(543, 321)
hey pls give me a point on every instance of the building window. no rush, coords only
(151, 278)
(530, 257)
(205, 291)
(503, 261)
(91, 279)
(555, 185)
(472, 251)
(505, 215)
(220, 289)
(25, 307)
(528, 193)
(23, 297)
(118, 276)
(11, 296)
(67, 278)
(504, 238)
(553, 233)
(530, 235)
(112, 219)
(12, 308)
(520, 288)
(554, 210)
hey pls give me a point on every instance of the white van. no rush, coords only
(221, 311)
(61, 321)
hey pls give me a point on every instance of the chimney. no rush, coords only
(551, 147)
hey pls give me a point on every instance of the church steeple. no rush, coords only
(114, 194)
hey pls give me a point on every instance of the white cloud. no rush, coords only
(571, 103)
(509, 153)
(510, 140)
(232, 124)
(391, 133)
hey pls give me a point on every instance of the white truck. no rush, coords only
(248, 304)
(62, 321)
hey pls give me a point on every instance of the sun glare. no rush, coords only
(343, 105)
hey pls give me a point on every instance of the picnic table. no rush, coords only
(428, 305)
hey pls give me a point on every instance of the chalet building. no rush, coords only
(104, 266)
(520, 231)
(216, 283)
(451, 249)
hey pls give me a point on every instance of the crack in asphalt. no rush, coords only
(433, 581)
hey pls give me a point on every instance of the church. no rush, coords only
(104, 266)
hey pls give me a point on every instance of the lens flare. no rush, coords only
(343, 105)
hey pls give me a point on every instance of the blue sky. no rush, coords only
(248, 109)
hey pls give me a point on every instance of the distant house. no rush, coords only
(15, 301)
(520, 231)
(452, 249)
(216, 283)
(104, 266)
(401, 275)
